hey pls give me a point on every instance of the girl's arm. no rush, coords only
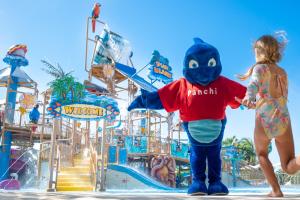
(253, 87)
(255, 83)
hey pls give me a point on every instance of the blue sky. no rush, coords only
(55, 30)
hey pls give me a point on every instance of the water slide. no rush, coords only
(125, 178)
(15, 167)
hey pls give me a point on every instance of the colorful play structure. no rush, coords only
(83, 141)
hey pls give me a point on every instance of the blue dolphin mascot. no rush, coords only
(201, 98)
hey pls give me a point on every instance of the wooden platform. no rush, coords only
(23, 136)
(97, 72)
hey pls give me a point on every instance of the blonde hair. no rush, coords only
(268, 51)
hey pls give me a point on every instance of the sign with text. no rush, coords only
(84, 111)
(159, 68)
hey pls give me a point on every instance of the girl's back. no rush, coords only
(273, 81)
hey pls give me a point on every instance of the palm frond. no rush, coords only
(69, 73)
(50, 69)
(56, 72)
(60, 69)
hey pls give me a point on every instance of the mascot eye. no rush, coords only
(193, 64)
(212, 62)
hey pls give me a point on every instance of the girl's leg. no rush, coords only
(262, 142)
(286, 150)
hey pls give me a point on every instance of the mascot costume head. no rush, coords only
(201, 98)
(202, 63)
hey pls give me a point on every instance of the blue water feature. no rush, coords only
(179, 150)
(136, 144)
(10, 108)
(122, 156)
(5, 156)
(112, 152)
(14, 62)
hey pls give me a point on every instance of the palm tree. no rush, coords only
(64, 83)
(58, 88)
(231, 141)
(78, 90)
(247, 150)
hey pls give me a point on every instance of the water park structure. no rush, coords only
(83, 141)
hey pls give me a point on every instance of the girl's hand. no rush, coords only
(246, 102)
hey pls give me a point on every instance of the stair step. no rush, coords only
(81, 166)
(76, 184)
(76, 170)
(81, 159)
(73, 175)
(87, 162)
(73, 179)
(74, 188)
(81, 163)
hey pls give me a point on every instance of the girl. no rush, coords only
(269, 82)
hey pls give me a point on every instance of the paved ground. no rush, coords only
(124, 196)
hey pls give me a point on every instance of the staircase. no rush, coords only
(76, 178)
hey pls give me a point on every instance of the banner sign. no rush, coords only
(102, 108)
(159, 68)
(27, 101)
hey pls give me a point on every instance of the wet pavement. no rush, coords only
(12, 195)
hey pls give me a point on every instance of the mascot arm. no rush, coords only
(235, 90)
(167, 97)
(149, 100)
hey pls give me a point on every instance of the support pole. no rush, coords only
(102, 175)
(52, 154)
(73, 141)
(9, 119)
(97, 134)
(160, 142)
(41, 137)
(88, 123)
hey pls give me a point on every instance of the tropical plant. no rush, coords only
(64, 86)
(247, 150)
(58, 88)
(231, 141)
(78, 90)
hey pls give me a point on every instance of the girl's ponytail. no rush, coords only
(247, 74)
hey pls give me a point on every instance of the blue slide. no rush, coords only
(126, 178)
